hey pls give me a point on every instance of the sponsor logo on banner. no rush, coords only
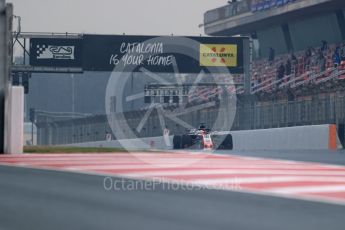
(55, 52)
(218, 55)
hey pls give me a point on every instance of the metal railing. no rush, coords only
(241, 7)
(227, 11)
(328, 110)
(292, 82)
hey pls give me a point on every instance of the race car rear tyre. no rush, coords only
(186, 141)
(177, 142)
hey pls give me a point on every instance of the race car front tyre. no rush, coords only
(227, 142)
(222, 141)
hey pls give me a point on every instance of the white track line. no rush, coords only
(119, 167)
(139, 164)
(308, 189)
(115, 163)
(268, 179)
(230, 171)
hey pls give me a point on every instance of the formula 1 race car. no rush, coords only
(203, 138)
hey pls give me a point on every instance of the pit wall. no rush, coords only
(290, 138)
(314, 137)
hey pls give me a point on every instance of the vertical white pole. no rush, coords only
(15, 125)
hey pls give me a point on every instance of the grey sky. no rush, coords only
(158, 17)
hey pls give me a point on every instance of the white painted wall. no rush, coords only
(14, 125)
(290, 138)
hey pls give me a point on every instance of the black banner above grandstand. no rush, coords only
(123, 53)
(162, 54)
(55, 52)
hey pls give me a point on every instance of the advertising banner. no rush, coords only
(162, 54)
(55, 52)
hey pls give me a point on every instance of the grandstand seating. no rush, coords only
(306, 71)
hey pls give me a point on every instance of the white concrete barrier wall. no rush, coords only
(14, 120)
(289, 138)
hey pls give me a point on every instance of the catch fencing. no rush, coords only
(57, 129)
